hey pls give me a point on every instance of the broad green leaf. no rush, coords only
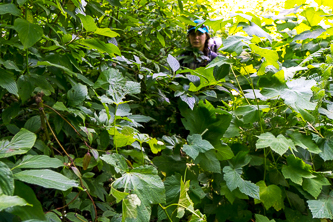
(6, 180)
(39, 161)
(117, 161)
(9, 8)
(309, 34)
(28, 33)
(262, 218)
(11, 201)
(323, 207)
(47, 63)
(327, 112)
(196, 145)
(208, 161)
(52, 217)
(115, 3)
(186, 20)
(206, 78)
(235, 44)
(249, 112)
(88, 22)
(77, 94)
(184, 199)
(25, 88)
(46, 178)
(279, 144)
(34, 211)
(314, 185)
(146, 182)
(326, 148)
(313, 16)
(223, 152)
(21, 2)
(297, 95)
(233, 179)
(161, 39)
(130, 204)
(7, 82)
(21, 143)
(33, 124)
(147, 185)
(296, 170)
(255, 30)
(232, 195)
(108, 77)
(270, 196)
(204, 117)
(270, 56)
(117, 194)
(106, 32)
(198, 217)
(101, 46)
(156, 146)
(173, 63)
(305, 142)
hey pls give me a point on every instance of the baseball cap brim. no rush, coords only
(202, 30)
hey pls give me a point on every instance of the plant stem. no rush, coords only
(240, 88)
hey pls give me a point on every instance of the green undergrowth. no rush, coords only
(100, 123)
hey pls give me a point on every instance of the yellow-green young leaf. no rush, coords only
(313, 16)
(296, 170)
(270, 56)
(117, 194)
(11, 201)
(186, 20)
(328, 3)
(161, 39)
(279, 144)
(156, 146)
(270, 196)
(121, 140)
(106, 32)
(88, 22)
(101, 46)
(293, 3)
(28, 33)
(184, 199)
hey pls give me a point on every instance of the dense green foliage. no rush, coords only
(100, 123)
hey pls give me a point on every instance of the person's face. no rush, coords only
(197, 39)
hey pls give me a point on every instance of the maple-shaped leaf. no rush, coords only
(314, 185)
(295, 93)
(279, 144)
(323, 207)
(296, 170)
(196, 145)
(233, 179)
(270, 196)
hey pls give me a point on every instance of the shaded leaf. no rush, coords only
(270, 196)
(6, 180)
(196, 145)
(9, 8)
(28, 33)
(7, 82)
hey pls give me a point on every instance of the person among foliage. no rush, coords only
(199, 54)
